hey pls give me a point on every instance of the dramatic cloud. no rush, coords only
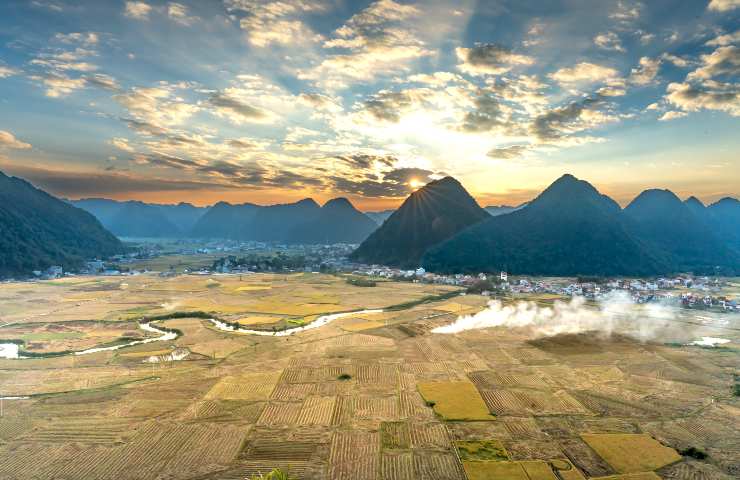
(229, 106)
(609, 41)
(672, 115)
(576, 116)
(489, 59)
(59, 85)
(179, 14)
(122, 144)
(509, 152)
(723, 61)
(723, 5)
(6, 71)
(8, 140)
(726, 39)
(394, 183)
(137, 10)
(388, 105)
(487, 115)
(711, 95)
(278, 22)
(584, 72)
(156, 106)
(646, 72)
(377, 41)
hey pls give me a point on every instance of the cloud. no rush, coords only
(647, 71)
(366, 161)
(387, 106)
(277, 22)
(103, 81)
(87, 39)
(672, 115)
(137, 10)
(723, 61)
(6, 71)
(512, 151)
(155, 107)
(179, 14)
(726, 39)
(626, 12)
(489, 59)
(583, 72)
(609, 41)
(59, 85)
(393, 183)
(675, 60)
(488, 114)
(227, 105)
(559, 123)
(723, 5)
(8, 141)
(121, 144)
(710, 95)
(379, 40)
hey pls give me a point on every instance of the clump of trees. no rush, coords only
(490, 284)
(276, 262)
(361, 282)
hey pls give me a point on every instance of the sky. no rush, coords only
(273, 101)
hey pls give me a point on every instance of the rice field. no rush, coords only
(371, 396)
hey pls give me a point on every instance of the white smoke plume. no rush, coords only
(616, 313)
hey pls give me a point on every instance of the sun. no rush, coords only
(415, 183)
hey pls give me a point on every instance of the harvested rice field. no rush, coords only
(372, 395)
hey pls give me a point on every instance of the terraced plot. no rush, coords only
(455, 400)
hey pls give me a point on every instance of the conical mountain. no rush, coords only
(431, 215)
(661, 220)
(224, 220)
(274, 223)
(338, 221)
(137, 219)
(38, 230)
(726, 217)
(697, 207)
(569, 229)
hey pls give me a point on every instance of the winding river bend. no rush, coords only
(319, 322)
(12, 350)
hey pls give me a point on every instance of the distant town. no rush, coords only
(243, 258)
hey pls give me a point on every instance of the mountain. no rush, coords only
(274, 223)
(338, 221)
(725, 215)
(138, 219)
(680, 232)
(496, 210)
(38, 230)
(225, 220)
(569, 229)
(427, 217)
(380, 216)
(127, 218)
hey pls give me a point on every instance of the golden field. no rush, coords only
(372, 396)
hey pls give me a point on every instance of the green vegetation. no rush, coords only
(344, 377)
(423, 300)
(428, 217)
(276, 474)
(693, 452)
(361, 282)
(478, 450)
(38, 231)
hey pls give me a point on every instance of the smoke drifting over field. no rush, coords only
(616, 313)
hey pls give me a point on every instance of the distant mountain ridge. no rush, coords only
(338, 221)
(572, 229)
(138, 219)
(430, 215)
(38, 230)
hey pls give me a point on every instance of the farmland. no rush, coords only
(372, 395)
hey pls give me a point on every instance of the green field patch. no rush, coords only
(455, 401)
(481, 450)
(631, 452)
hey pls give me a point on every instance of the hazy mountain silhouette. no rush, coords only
(338, 221)
(429, 216)
(569, 229)
(38, 230)
(725, 215)
(679, 231)
(140, 219)
(225, 220)
(380, 216)
(496, 210)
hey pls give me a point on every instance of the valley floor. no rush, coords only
(373, 395)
